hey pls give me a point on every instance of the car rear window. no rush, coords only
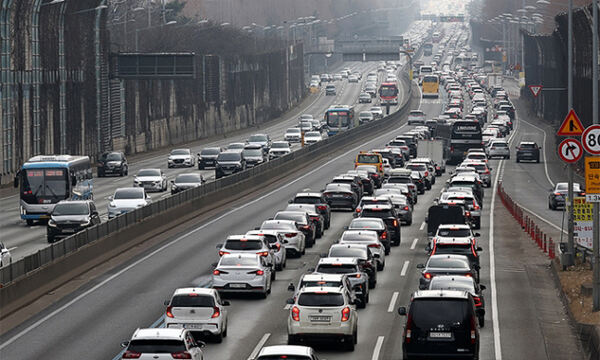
(528, 146)
(318, 299)
(156, 346)
(301, 219)
(238, 261)
(446, 263)
(429, 313)
(307, 200)
(368, 159)
(348, 252)
(365, 224)
(454, 232)
(460, 249)
(287, 357)
(417, 167)
(377, 213)
(500, 145)
(336, 269)
(243, 245)
(277, 226)
(192, 300)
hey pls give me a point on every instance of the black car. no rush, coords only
(373, 224)
(558, 195)
(208, 157)
(229, 162)
(365, 179)
(411, 141)
(445, 265)
(388, 215)
(70, 217)
(440, 324)
(186, 181)
(463, 283)
(528, 151)
(353, 181)
(340, 196)
(113, 163)
(317, 199)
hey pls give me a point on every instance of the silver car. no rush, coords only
(151, 180)
(249, 244)
(293, 239)
(274, 238)
(368, 238)
(242, 273)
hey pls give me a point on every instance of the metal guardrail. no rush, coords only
(55, 252)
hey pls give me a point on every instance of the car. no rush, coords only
(349, 266)
(371, 89)
(127, 199)
(229, 162)
(325, 314)
(151, 180)
(305, 126)
(373, 200)
(279, 149)
(477, 156)
(287, 352)
(312, 137)
(354, 182)
(352, 78)
(368, 238)
(457, 239)
(498, 148)
(364, 97)
(528, 150)
(377, 112)
(249, 244)
(71, 216)
(366, 260)
(367, 183)
(337, 77)
(424, 171)
(416, 117)
(445, 264)
(186, 181)
(314, 215)
(463, 283)
(275, 240)
(388, 214)
(482, 169)
(373, 173)
(260, 139)
(365, 117)
(254, 155)
(558, 195)
(292, 135)
(162, 343)
(440, 324)
(293, 239)
(113, 162)
(242, 273)
(303, 222)
(330, 90)
(470, 201)
(373, 224)
(329, 280)
(181, 158)
(470, 181)
(340, 196)
(208, 157)
(5, 256)
(317, 199)
(200, 310)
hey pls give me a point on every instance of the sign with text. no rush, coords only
(583, 224)
(592, 178)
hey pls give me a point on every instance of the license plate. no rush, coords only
(440, 335)
(68, 230)
(237, 286)
(320, 318)
(192, 326)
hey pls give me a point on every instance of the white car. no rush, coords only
(276, 243)
(279, 149)
(150, 344)
(200, 310)
(377, 112)
(292, 135)
(369, 238)
(323, 313)
(242, 273)
(5, 257)
(150, 180)
(127, 199)
(416, 117)
(287, 352)
(293, 239)
(365, 116)
(249, 244)
(353, 78)
(312, 137)
(181, 158)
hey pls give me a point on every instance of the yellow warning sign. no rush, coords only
(571, 126)
(582, 210)
(592, 175)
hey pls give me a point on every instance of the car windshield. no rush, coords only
(187, 179)
(180, 152)
(446, 263)
(368, 159)
(257, 138)
(243, 244)
(367, 114)
(429, 313)
(365, 224)
(341, 251)
(123, 194)
(454, 232)
(336, 268)
(192, 300)
(210, 151)
(234, 146)
(113, 157)
(307, 200)
(238, 261)
(233, 156)
(320, 299)
(312, 134)
(252, 152)
(70, 209)
(293, 131)
(156, 346)
(149, 172)
(417, 167)
(280, 146)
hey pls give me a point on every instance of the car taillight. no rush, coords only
(216, 312)
(263, 253)
(357, 275)
(290, 235)
(374, 246)
(322, 207)
(469, 275)
(168, 312)
(216, 272)
(477, 301)
(408, 329)
(357, 209)
(476, 207)
(426, 173)
(305, 227)
(395, 222)
(257, 272)
(473, 330)
(557, 194)
(427, 275)
(468, 213)
(582, 193)
(131, 355)
(384, 235)
(221, 252)
(181, 355)
(486, 171)
(346, 314)
(406, 208)
(295, 313)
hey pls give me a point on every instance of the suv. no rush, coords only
(69, 217)
(366, 259)
(440, 323)
(199, 310)
(113, 163)
(329, 280)
(330, 90)
(389, 216)
(498, 148)
(323, 313)
(287, 351)
(254, 154)
(208, 157)
(249, 244)
(260, 139)
(350, 267)
(317, 199)
(160, 343)
(229, 162)
(528, 151)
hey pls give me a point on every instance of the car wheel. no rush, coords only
(50, 239)
(279, 267)
(380, 266)
(362, 304)
(292, 340)
(303, 251)
(200, 166)
(409, 222)
(218, 338)
(537, 160)
(122, 173)
(30, 222)
(481, 319)
(100, 174)
(328, 224)
(518, 160)
(273, 275)
(349, 343)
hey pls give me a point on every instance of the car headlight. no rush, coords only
(112, 205)
(85, 222)
(137, 181)
(51, 223)
(140, 205)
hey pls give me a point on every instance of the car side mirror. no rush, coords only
(290, 301)
(426, 218)
(110, 198)
(479, 248)
(214, 264)
(172, 181)
(148, 197)
(201, 344)
(166, 303)
(291, 287)
(124, 344)
(218, 246)
(402, 311)
(290, 201)
(540, 148)
(477, 234)
(482, 287)
(323, 255)
(311, 270)
(273, 246)
(420, 266)
(198, 154)
(257, 228)
(225, 302)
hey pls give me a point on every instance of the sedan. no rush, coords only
(125, 200)
(181, 158)
(186, 181)
(445, 265)
(558, 195)
(242, 273)
(312, 137)
(208, 157)
(293, 239)
(369, 238)
(364, 97)
(376, 111)
(150, 180)
(279, 149)
(365, 117)
(292, 135)
(340, 195)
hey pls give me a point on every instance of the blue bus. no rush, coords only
(340, 118)
(45, 180)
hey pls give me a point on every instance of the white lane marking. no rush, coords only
(377, 349)
(178, 239)
(404, 268)
(12, 248)
(9, 197)
(414, 243)
(259, 346)
(393, 301)
(543, 152)
(420, 94)
(422, 226)
(495, 317)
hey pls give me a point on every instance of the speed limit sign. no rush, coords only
(591, 139)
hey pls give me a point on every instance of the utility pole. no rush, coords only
(596, 216)
(570, 224)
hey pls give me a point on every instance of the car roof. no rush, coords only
(75, 202)
(253, 146)
(320, 289)
(432, 294)
(321, 276)
(309, 194)
(244, 237)
(286, 350)
(338, 260)
(463, 178)
(454, 226)
(194, 290)
(377, 207)
(159, 333)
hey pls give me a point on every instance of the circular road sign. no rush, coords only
(591, 139)
(570, 150)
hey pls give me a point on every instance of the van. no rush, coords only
(370, 158)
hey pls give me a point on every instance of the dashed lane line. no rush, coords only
(378, 346)
(404, 268)
(393, 301)
(414, 243)
(259, 346)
